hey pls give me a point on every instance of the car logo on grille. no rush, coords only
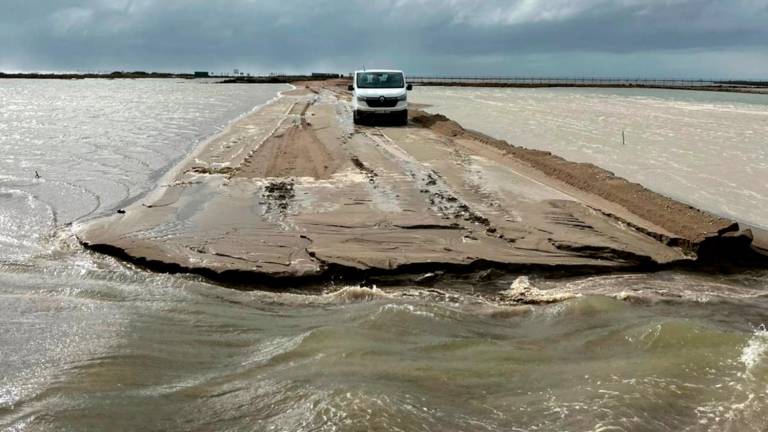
(382, 98)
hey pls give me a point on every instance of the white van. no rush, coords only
(380, 92)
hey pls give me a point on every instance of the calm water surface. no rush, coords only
(90, 344)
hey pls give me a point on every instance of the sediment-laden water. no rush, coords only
(89, 343)
(707, 149)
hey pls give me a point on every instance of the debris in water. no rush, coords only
(429, 278)
(224, 170)
(369, 173)
(523, 291)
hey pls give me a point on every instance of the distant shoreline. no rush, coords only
(714, 88)
(735, 86)
(114, 75)
(225, 79)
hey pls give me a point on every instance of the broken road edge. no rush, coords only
(724, 247)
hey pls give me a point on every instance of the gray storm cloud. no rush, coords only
(701, 38)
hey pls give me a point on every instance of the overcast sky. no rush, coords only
(634, 38)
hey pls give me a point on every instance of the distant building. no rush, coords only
(237, 72)
(202, 74)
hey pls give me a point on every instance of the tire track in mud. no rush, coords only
(369, 173)
(450, 205)
(294, 151)
(441, 198)
(278, 195)
(446, 202)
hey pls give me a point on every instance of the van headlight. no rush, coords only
(402, 97)
(361, 98)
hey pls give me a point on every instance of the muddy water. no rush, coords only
(88, 343)
(707, 149)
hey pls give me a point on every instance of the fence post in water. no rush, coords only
(623, 138)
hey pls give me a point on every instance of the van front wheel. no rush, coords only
(402, 117)
(356, 117)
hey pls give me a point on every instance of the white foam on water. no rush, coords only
(272, 348)
(522, 290)
(607, 428)
(684, 288)
(355, 294)
(754, 352)
(744, 410)
(20, 237)
(404, 308)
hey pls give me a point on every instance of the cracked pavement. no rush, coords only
(295, 190)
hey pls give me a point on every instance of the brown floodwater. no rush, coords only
(90, 343)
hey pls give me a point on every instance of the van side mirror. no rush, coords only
(409, 87)
(351, 87)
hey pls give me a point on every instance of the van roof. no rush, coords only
(378, 70)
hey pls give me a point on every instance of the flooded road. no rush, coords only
(95, 144)
(90, 343)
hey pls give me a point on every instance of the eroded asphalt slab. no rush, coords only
(295, 190)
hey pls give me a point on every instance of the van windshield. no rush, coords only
(380, 80)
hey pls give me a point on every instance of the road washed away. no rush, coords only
(294, 192)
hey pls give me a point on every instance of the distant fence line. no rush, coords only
(563, 81)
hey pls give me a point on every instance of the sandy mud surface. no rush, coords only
(295, 191)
